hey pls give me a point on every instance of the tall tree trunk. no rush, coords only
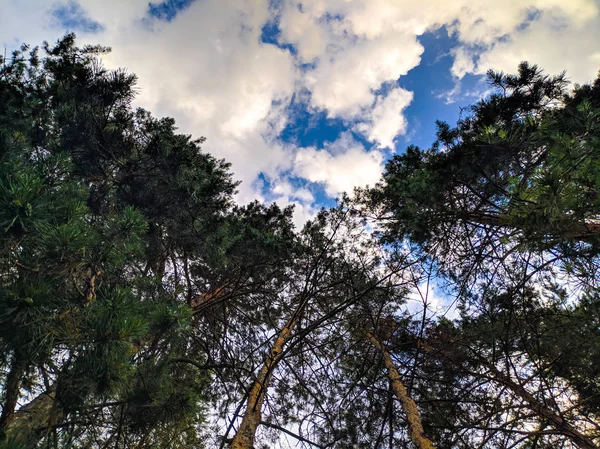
(244, 438)
(11, 392)
(413, 416)
(37, 418)
(560, 424)
(157, 252)
(543, 411)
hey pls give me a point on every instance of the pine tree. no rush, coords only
(505, 205)
(81, 319)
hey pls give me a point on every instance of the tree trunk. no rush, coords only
(11, 392)
(32, 421)
(157, 252)
(244, 438)
(558, 422)
(413, 416)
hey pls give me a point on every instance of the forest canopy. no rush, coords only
(141, 307)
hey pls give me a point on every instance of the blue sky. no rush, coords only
(308, 99)
(71, 16)
(168, 9)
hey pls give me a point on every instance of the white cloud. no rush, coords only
(300, 28)
(209, 69)
(351, 60)
(286, 189)
(566, 45)
(25, 24)
(300, 197)
(463, 62)
(340, 166)
(544, 32)
(345, 83)
(386, 120)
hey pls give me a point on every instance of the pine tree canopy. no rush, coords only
(141, 307)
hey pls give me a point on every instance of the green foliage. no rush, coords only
(136, 300)
(163, 394)
(506, 206)
(94, 197)
(519, 161)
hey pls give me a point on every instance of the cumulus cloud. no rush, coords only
(340, 166)
(286, 189)
(209, 68)
(568, 44)
(352, 62)
(386, 120)
(345, 83)
(501, 34)
(299, 27)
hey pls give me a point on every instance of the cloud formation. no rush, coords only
(339, 166)
(210, 66)
(385, 120)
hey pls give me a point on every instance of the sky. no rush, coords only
(309, 99)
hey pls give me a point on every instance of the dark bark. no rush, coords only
(558, 422)
(11, 392)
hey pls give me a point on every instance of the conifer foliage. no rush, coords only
(87, 187)
(140, 307)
